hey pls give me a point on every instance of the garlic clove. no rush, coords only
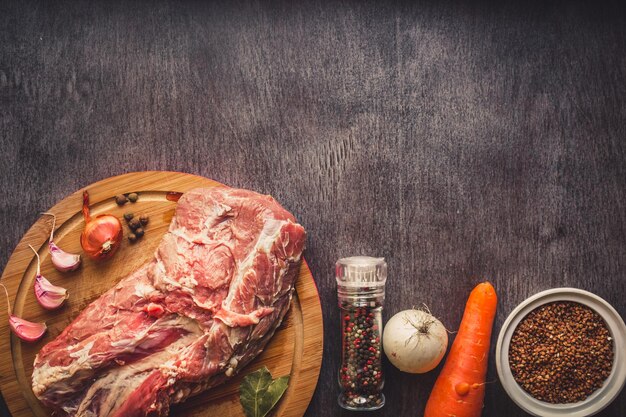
(27, 330)
(24, 329)
(49, 296)
(63, 261)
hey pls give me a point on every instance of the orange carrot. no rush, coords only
(460, 388)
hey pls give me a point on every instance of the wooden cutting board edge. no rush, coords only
(303, 381)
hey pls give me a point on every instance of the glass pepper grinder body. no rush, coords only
(361, 293)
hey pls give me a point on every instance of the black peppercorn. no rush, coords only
(128, 216)
(133, 197)
(132, 237)
(139, 232)
(144, 219)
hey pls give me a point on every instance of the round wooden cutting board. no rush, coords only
(295, 349)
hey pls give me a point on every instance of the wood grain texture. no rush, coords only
(460, 141)
(294, 350)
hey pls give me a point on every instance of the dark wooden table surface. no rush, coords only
(461, 142)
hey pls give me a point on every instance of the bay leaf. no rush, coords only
(259, 393)
(274, 391)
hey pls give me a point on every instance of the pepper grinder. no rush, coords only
(361, 293)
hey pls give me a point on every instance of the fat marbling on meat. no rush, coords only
(217, 288)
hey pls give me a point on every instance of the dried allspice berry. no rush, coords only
(561, 352)
(121, 199)
(134, 223)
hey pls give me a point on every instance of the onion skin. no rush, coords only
(102, 234)
(102, 237)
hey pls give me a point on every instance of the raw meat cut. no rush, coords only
(217, 288)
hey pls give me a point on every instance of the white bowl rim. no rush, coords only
(599, 399)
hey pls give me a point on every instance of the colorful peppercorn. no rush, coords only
(361, 292)
(361, 374)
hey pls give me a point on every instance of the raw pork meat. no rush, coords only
(217, 288)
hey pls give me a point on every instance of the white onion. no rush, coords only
(415, 341)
